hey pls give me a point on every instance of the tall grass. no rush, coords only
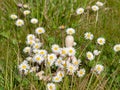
(51, 14)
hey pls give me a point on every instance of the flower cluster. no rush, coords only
(94, 8)
(63, 60)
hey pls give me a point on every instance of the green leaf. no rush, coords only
(5, 34)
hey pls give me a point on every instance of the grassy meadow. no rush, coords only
(51, 14)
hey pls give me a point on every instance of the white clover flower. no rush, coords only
(51, 86)
(90, 56)
(30, 42)
(27, 50)
(71, 51)
(101, 41)
(57, 79)
(30, 37)
(71, 68)
(100, 4)
(39, 30)
(63, 52)
(26, 12)
(70, 31)
(61, 74)
(116, 48)
(24, 66)
(88, 35)
(51, 59)
(34, 21)
(19, 22)
(38, 58)
(55, 48)
(37, 45)
(13, 16)
(95, 8)
(96, 52)
(81, 72)
(99, 68)
(42, 52)
(80, 11)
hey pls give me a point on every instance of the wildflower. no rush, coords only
(24, 66)
(40, 30)
(80, 11)
(81, 72)
(89, 55)
(40, 75)
(95, 8)
(101, 41)
(116, 47)
(29, 58)
(70, 31)
(42, 52)
(99, 68)
(51, 59)
(37, 40)
(36, 51)
(71, 51)
(26, 12)
(89, 36)
(59, 62)
(30, 42)
(56, 48)
(20, 5)
(76, 62)
(27, 50)
(74, 44)
(64, 64)
(37, 58)
(62, 27)
(19, 22)
(30, 37)
(34, 21)
(51, 86)
(96, 52)
(100, 4)
(26, 6)
(71, 68)
(34, 69)
(60, 74)
(63, 52)
(37, 45)
(57, 79)
(13, 16)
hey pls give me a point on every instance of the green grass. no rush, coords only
(51, 14)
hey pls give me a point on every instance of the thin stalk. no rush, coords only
(71, 82)
(90, 82)
(84, 49)
(6, 67)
